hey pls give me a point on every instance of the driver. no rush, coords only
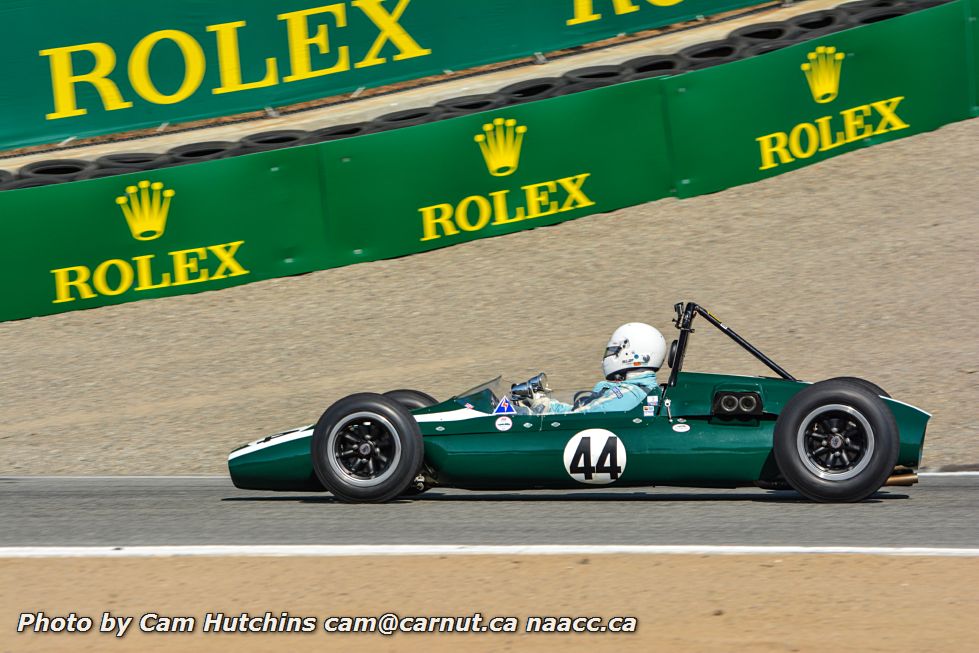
(633, 355)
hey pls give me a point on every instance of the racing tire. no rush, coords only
(836, 441)
(366, 448)
(338, 132)
(596, 75)
(133, 160)
(764, 32)
(207, 151)
(466, 104)
(711, 53)
(411, 399)
(866, 5)
(407, 118)
(5, 176)
(873, 387)
(655, 65)
(273, 140)
(61, 169)
(529, 90)
(819, 23)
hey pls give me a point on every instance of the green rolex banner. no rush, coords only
(86, 68)
(496, 172)
(159, 233)
(751, 119)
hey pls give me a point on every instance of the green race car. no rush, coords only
(836, 440)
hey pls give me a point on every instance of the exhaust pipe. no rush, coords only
(902, 479)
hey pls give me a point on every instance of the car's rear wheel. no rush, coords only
(836, 441)
(367, 448)
(873, 387)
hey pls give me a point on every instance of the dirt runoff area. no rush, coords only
(680, 603)
(862, 265)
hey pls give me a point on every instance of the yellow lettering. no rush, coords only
(462, 213)
(297, 27)
(187, 262)
(889, 121)
(229, 61)
(773, 145)
(576, 197)
(139, 60)
(432, 217)
(795, 140)
(538, 196)
(144, 274)
(389, 30)
(853, 123)
(226, 254)
(500, 209)
(63, 79)
(584, 10)
(826, 136)
(100, 278)
(63, 284)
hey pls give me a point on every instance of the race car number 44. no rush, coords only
(595, 456)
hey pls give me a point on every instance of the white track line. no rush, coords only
(215, 477)
(336, 551)
(185, 477)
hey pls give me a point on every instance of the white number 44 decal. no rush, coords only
(595, 456)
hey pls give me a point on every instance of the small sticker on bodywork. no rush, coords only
(681, 428)
(505, 407)
(649, 411)
(652, 400)
(504, 423)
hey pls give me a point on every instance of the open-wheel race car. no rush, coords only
(836, 440)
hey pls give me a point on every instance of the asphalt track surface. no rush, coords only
(941, 511)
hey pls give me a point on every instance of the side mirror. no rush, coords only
(673, 347)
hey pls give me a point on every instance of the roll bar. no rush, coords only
(684, 318)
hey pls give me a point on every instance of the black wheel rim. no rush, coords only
(364, 449)
(835, 442)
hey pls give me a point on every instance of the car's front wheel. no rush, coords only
(836, 441)
(367, 448)
(411, 399)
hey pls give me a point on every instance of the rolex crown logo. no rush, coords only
(146, 208)
(500, 144)
(823, 73)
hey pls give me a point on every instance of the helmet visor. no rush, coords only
(612, 350)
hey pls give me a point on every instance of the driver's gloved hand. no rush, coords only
(540, 403)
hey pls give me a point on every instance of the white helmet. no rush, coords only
(633, 346)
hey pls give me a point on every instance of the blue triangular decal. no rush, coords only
(504, 407)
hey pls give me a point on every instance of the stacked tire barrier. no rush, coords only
(742, 43)
(532, 154)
